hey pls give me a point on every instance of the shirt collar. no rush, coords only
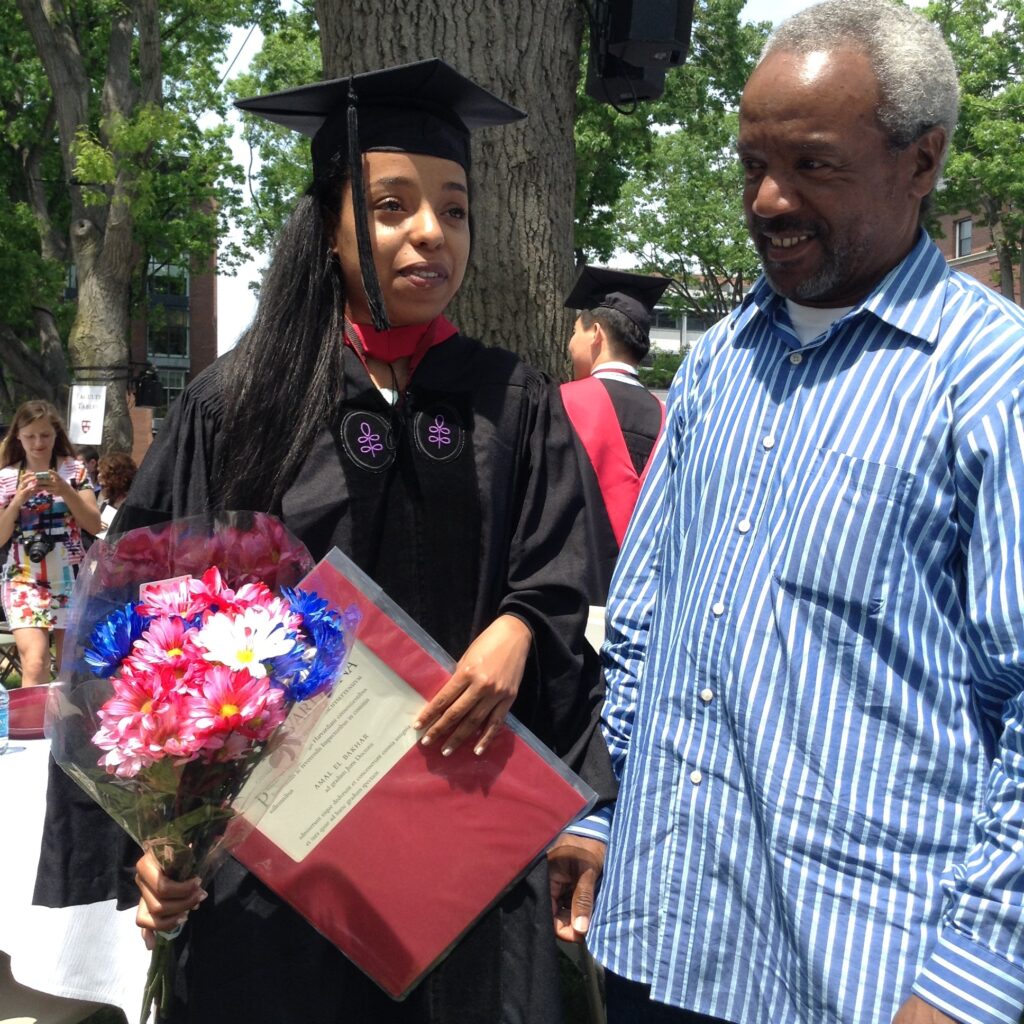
(908, 298)
(614, 367)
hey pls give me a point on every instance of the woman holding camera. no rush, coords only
(45, 503)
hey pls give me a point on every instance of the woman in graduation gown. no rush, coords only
(445, 469)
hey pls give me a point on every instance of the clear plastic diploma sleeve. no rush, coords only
(388, 848)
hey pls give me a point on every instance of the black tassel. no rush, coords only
(371, 285)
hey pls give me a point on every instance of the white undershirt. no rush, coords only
(809, 321)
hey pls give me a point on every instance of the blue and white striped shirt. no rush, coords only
(814, 662)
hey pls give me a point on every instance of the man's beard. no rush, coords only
(838, 262)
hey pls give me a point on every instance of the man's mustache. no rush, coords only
(781, 225)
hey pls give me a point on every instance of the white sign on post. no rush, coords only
(85, 422)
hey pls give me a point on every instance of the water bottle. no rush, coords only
(5, 717)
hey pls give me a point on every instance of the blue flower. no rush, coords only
(112, 639)
(301, 675)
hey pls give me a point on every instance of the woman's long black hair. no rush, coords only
(285, 376)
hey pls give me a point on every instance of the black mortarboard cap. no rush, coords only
(633, 295)
(426, 107)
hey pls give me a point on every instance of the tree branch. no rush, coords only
(23, 366)
(53, 243)
(59, 51)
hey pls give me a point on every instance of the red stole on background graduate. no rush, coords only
(593, 417)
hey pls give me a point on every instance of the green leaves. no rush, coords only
(281, 169)
(984, 173)
(663, 184)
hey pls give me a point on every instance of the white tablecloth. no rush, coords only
(93, 952)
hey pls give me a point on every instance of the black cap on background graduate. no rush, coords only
(633, 295)
(426, 107)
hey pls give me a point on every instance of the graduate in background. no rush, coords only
(615, 418)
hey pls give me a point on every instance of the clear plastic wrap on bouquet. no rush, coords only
(193, 656)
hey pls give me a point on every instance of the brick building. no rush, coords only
(178, 338)
(967, 246)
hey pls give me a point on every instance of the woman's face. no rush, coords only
(38, 437)
(418, 212)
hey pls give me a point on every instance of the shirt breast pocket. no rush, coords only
(837, 538)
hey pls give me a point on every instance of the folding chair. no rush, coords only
(9, 662)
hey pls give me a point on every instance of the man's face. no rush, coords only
(830, 206)
(582, 349)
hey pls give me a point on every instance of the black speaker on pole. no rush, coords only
(649, 33)
(612, 80)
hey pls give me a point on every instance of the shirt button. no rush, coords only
(695, 777)
(796, 359)
(743, 526)
(768, 443)
(707, 695)
(718, 608)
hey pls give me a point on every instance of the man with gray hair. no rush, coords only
(815, 631)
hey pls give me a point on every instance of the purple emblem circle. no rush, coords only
(368, 440)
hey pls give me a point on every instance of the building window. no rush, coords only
(963, 237)
(168, 280)
(664, 320)
(167, 332)
(174, 382)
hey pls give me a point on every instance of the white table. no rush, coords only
(92, 953)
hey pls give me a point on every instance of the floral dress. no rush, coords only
(37, 593)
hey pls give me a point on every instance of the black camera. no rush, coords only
(38, 546)
(49, 532)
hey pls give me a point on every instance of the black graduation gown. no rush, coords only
(639, 415)
(463, 504)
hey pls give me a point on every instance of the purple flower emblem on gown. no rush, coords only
(439, 432)
(367, 440)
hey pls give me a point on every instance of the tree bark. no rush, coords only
(102, 241)
(25, 374)
(523, 179)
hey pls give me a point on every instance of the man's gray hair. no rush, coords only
(915, 71)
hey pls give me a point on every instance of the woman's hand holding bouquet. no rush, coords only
(180, 691)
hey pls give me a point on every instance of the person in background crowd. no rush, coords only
(616, 420)
(115, 473)
(90, 459)
(45, 504)
(354, 410)
(814, 662)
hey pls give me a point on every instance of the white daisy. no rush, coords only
(245, 640)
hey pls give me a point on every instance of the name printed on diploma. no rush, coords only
(364, 731)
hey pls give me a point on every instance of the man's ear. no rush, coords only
(599, 342)
(927, 150)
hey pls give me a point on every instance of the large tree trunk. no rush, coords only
(527, 52)
(1005, 254)
(101, 235)
(98, 341)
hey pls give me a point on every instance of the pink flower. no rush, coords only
(168, 641)
(145, 720)
(236, 702)
(169, 598)
(211, 592)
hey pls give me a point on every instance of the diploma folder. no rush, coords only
(391, 850)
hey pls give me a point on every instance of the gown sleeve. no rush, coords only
(85, 855)
(562, 695)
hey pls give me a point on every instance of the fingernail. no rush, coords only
(479, 749)
(418, 724)
(447, 752)
(202, 895)
(425, 741)
(581, 924)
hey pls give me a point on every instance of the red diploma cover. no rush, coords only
(432, 843)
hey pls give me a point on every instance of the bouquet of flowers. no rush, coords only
(195, 658)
